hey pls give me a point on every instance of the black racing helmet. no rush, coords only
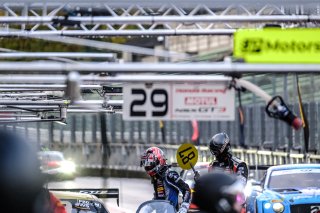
(219, 144)
(218, 192)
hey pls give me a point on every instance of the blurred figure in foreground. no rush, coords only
(166, 183)
(21, 182)
(218, 193)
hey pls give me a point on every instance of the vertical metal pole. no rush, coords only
(94, 128)
(156, 131)
(148, 133)
(61, 134)
(178, 132)
(112, 127)
(122, 130)
(50, 129)
(298, 139)
(139, 131)
(286, 130)
(318, 125)
(164, 132)
(131, 123)
(170, 129)
(312, 125)
(73, 128)
(84, 121)
(105, 144)
(38, 133)
(275, 127)
(263, 124)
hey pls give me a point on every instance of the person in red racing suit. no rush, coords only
(166, 182)
(220, 147)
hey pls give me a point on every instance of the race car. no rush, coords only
(291, 188)
(55, 166)
(85, 200)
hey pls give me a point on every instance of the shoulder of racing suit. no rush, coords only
(173, 178)
(240, 168)
(236, 161)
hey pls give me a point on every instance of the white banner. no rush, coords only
(178, 102)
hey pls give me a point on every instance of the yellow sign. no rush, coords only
(187, 156)
(276, 45)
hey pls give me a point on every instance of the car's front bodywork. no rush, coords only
(290, 189)
(85, 200)
(79, 202)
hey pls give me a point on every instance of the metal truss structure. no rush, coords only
(142, 18)
(27, 96)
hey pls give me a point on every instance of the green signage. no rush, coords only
(278, 45)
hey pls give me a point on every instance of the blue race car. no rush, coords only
(288, 188)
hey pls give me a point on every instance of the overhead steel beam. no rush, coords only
(92, 111)
(23, 94)
(152, 4)
(57, 54)
(33, 105)
(41, 102)
(100, 80)
(170, 17)
(98, 44)
(185, 68)
(44, 86)
(4, 115)
(156, 32)
(53, 79)
(29, 120)
(158, 19)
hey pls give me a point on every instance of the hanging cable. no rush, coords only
(305, 123)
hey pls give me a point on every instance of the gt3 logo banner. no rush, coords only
(278, 45)
(178, 102)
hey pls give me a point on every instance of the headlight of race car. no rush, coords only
(278, 207)
(68, 167)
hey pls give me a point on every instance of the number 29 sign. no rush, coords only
(156, 101)
(146, 102)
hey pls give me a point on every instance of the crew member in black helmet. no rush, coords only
(220, 147)
(218, 193)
